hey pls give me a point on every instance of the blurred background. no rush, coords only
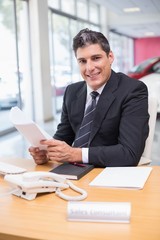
(37, 61)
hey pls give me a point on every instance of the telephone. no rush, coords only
(29, 184)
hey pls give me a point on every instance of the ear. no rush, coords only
(111, 57)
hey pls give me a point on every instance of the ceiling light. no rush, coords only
(149, 34)
(136, 9)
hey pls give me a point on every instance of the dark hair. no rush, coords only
(86, 37)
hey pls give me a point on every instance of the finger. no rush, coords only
(52, 142)
(41, 154)
(41, 161)
(33, 149)
(40, 157)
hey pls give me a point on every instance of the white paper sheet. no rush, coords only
(122, 177)
(29, 129)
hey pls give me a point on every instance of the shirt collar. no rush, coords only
(99, 90)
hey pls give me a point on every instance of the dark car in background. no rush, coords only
(144, 68)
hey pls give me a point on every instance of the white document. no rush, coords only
(29, 129)
(122, 177)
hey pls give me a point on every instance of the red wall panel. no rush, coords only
(146, 48)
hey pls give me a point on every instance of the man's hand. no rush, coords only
(39, 156)
(58, 151)
(61, 152)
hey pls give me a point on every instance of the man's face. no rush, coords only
(94, 64)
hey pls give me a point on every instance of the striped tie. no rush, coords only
(82, 137)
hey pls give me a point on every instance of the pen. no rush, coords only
(77, 164)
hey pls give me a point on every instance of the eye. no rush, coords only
(81, 61)
(96, 58)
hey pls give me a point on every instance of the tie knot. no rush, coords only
(94, 94)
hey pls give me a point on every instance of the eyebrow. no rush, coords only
(80, 59)
(95, 55)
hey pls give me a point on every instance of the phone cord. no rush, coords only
(83, 195)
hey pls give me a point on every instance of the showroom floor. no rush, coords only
(14, 145)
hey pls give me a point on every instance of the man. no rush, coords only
(119, 127)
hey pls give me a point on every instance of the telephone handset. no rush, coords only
(29, 184)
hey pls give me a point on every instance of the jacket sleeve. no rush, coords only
(64, 130)
(133, 131)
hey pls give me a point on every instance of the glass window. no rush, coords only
(127, 54)
(95, 28)
(156, 67)
(94, 13)
(54, 4)
(14, 62)
(61, 65)
(75, 70)
(82, 25)
(82, 9)
(24, 74)
(122, 48)
(62, 29)
(8, 63)
(68, 6)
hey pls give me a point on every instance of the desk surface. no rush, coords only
(46, 216)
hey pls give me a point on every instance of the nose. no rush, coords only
(89, 66)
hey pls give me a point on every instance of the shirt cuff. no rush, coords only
(85, 155)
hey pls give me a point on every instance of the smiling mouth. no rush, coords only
(93, 75)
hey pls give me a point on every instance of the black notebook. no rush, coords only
(73, 171)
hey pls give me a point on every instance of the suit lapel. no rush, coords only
(78, 106)
(104, 103)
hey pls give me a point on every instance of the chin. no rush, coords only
(95, 84)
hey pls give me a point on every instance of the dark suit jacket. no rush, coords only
(120, 126)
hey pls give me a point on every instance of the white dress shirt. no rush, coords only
(88, 101)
